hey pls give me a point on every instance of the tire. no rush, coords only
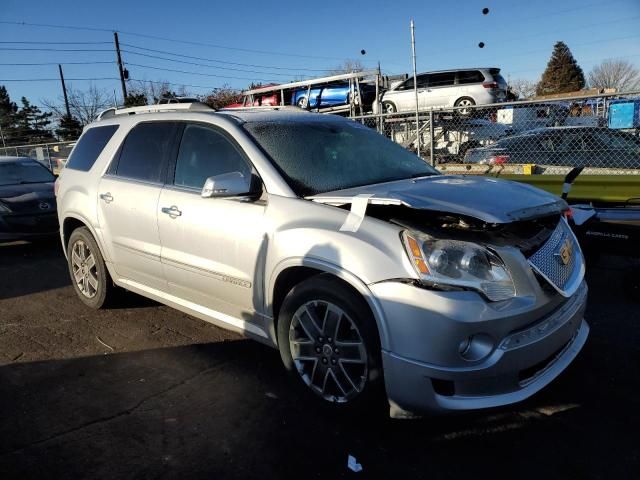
(88, 272)
(333, 367)
(303, 103)
(465, 102)
(389, 107)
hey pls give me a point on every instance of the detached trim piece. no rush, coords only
(356, 215)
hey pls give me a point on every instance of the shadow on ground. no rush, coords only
(225, 409)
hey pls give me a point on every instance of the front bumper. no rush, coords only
(28, 226)
(528, 353)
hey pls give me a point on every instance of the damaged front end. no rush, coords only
(454, 229)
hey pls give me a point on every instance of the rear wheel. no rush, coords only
(89, 275)
(328, 340)
(303, 103)
(465, 102)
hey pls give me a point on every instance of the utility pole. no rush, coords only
(64, 91)
(415, 86)
(120, 68)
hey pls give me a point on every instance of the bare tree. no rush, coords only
(612, 73)
(221, 97)
(84, 104)
(348, 66)
(156, 90)
(522, 88)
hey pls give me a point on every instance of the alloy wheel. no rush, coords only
(84, 267)
(328, 351)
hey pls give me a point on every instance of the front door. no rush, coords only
(213, 249)
(128, 201)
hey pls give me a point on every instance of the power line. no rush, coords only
(174, 84)
(206, 66)
(53, 63)
(54, 43)
(53, 79)
(175, 40)
(19, 49)
(224, 61)
(198, 73)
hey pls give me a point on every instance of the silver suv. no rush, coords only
(368, 270)
(447, 88)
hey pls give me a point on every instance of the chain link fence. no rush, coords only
(600, 133)
(51, 155)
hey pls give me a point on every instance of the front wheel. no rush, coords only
(388, 107)
(303, 103)
(89, 275)
(328, 340)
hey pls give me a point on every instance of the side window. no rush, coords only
(206, 152)
(470, 76)
(89, 147)
(145, 150)
(442, 79)
(423, 81)
(407, 84)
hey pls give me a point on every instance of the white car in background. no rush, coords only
(447, 88)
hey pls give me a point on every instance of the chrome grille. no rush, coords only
(549, 263)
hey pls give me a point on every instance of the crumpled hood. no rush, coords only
(487, 199)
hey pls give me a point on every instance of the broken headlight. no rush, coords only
(460, 264)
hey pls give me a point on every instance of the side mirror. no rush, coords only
(233, 184)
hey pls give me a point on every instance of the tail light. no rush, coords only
(568, 213)
(500, 159)
(490, 84)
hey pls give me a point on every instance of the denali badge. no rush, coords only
(566, 252)
(44, 206)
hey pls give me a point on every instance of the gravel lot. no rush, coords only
(143, 391)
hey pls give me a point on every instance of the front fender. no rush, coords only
(342, 274)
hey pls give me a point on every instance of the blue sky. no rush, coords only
(282, 38)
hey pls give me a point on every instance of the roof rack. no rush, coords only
(170, 107)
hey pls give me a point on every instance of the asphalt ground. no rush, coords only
(144, 391)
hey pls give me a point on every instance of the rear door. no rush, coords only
(128, 202)
(212, 248)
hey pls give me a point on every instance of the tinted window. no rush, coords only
(205, 152)
(316, 156)
(145, 151)
(470, 76)
(441, 79)
(23, 171)
(89, 147)
(406, 85)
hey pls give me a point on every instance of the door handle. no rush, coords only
(107, 197)
(172, 211)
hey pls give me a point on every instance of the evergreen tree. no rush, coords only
(69, 128)
(32, 124)
(563, 74)
(135, 99)
(8, 112)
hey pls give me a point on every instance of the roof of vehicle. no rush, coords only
(563, 128)
(270, 114)
(458, 70)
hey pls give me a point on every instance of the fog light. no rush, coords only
(476, 347)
